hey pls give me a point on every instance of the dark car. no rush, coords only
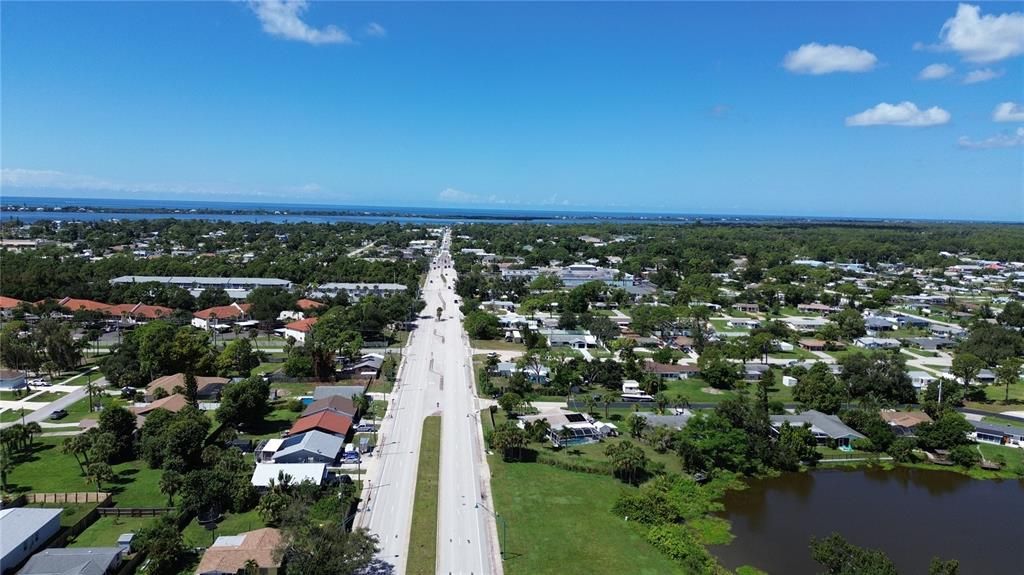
(59, 414)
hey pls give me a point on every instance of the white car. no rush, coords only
(38, 382)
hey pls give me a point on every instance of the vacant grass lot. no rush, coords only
(46, 469)
(554, 515)
(496, 344)
(280, 419)
(232, 524)
(423, 544)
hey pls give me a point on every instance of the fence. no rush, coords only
(74, 497)
(134, 511)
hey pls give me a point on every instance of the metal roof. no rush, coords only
(18, 524)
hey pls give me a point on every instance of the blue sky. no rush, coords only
(789, 108)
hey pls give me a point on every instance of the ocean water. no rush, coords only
(32, 209)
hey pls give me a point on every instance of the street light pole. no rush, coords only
(504, 527)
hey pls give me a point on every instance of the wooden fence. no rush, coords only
(73, 497)
(134, 511)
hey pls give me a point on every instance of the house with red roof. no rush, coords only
(138, 312)
(219, 316)
(326, 421)
(298, 330)
(8, 304)
(74, 304)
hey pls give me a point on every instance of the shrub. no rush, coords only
(964, 455)
(679, 544)
(902, 450)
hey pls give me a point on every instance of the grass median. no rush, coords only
(423, 543)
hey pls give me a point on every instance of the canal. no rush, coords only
(910, 514)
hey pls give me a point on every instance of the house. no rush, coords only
(806, 325)
(574, 338)
(298, 330)
(323, 391)
(298, 472)
(74, 561)
(309, 304)
(904, 423)
(996, 433)
(825, 428)
(11, 379)
(310, 447)
(746, 307)
(683, 342)
(950, 331)
(25, 529)
(208, 387)
(812, 344)
(535, 374)
(877, 343)
(676, 421)
(233, 554)
(565, 427)
(220, 317)
(73, 305)
(743, 323)
(173, 403)
(875, 324)
(336, 403)
(930, 343)
(753, 371)
(670, 370)
(368, 366)
(265, 451)
(8, 305)
(818, 308)
(921, 379)
(132, 313)
(325, 421)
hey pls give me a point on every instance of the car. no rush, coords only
(38, 382)
(59, 414)
(366, 427)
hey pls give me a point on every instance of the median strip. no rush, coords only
(423, 541)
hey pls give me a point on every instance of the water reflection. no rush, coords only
(911, 514)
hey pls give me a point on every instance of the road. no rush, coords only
(435, 378)
(43, 413)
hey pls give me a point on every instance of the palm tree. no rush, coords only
(6, 466)
(608, 398)
(32, 428)
(661, 400)
(170, 483)
(74, 446)
(362, 403)
(251, 567)
(591, 402)
(637, 425)
(1007, 374)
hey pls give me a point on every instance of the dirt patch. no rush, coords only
(712, 391)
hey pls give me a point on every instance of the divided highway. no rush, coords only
(436, 378)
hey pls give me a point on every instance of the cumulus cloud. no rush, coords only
(1005, 140)
(375, 30)
(453, 195)
(935, 72)
(982, 75)
(902, 114)
(282, 18)
(817, 59)
(1008, 112)
(987, 38)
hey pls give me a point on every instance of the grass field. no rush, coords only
(537, 500)
(105, 531)
(12, 415)
(46, 469)
(73, 512)
(496, 344)
(277, 421)
(423, 545)
(797, 353)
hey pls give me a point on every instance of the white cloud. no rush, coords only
(53, 180)
(1008, 112)
(902, 114)
(375, 30)
(817, 59)
(985, 38)
(453, 195)
(935, 72)
(281, 18)
(982, 75)
(1010, 140)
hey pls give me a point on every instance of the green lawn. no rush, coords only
(378, 409)
(797, 353)
(499, 344)
(46, 469)
(921, 352)
(693, 390)
(265, 367)
(48, 396)
(9, 415)
(232, 524)
(538, 502)
(105, 531)
(293, 389)
(277, 421)
(79, 410)
(73, 512)
(423, 544)
(840, 354)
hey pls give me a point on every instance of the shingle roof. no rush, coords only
(303, 325)
(9, 302)
(169, 382)
(830, 425)
(232, 311)
(323, 391)
(311, 442)
(229, 554)
(336, 403)
(328, 421)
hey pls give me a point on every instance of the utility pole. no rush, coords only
(504, 527)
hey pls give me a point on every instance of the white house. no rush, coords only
(298, 330)
(24, 530)
(921, 379)
(877, 343)
(299, 472)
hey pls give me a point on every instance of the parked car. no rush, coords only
(366, 428)
(59, 414)
(38, 382)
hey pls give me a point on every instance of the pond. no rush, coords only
(910, 514)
